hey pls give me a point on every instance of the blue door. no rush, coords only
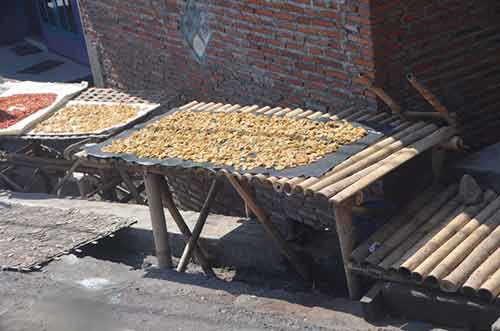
(62, 29)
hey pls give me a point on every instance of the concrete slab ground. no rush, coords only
(230, 241)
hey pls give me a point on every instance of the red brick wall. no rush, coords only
(295, 53)
(453, 46)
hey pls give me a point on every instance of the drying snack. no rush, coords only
(245, 141)
(17, 107)
(91, 118)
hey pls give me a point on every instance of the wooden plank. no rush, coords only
(200, 223)
(158, 221)
(269, 226)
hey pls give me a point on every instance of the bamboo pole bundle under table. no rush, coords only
(454, 247)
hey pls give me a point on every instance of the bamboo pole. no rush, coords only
(388, 229)
(475, 249)
(345, 233)
(321, 186)
(250, 109)
(451, 208)
(158, 221)
(457, 235)
(431, 99)
(202, 106)
(130, 185)
(406, 230)
(263, 110)
(199, 253)
(305, 114)
(481, 274)
(200, 223)
(395, 108)
(444, 234)
(189, 105)
(491, 288)
(392, 162)
(282, 112)
(268, 225)
(234, 108)
(449, 255)
(294, 113)
(361, 155)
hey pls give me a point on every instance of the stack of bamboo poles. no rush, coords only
(439, 240)
(407, 140)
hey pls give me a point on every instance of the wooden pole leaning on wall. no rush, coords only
(379, 92)
(431, 99)
(158, 222)
(199, 253)
(200, 223)
(269, 226)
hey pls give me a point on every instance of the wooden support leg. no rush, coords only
(202, 218)
(158, 221)
(11, 183)
(199, 253)
(270, 228)
(343, 220)
(66, 177)
(129, 197)
(130, 185)
(29, 184)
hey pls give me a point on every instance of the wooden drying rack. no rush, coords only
(338, 186)
(45, 161)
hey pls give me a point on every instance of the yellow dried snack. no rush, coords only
(87, 118)
(245, 141)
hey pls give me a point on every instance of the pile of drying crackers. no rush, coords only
(80, 118)
(242, 140)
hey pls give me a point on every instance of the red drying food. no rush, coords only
(16, 107)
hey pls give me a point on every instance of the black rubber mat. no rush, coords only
(25, 49)
(41, 67)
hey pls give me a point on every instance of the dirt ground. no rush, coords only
(85, 293)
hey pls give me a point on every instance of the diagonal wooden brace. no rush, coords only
(199, 253)
(269, 226)
(67, 176)
(130, 185)
(202, 218)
